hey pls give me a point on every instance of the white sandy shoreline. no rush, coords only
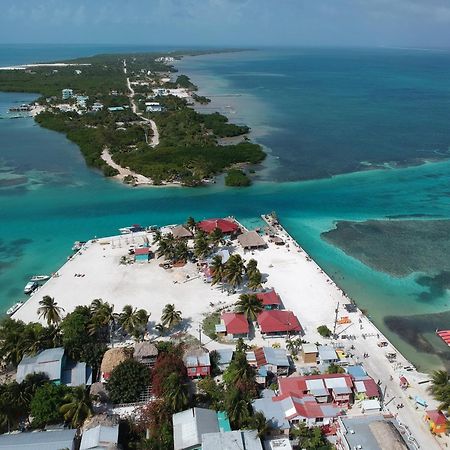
(302, 285)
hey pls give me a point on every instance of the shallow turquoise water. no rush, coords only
(60, 201)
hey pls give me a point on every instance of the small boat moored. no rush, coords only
(30, 287)
(39, 278)
(133, 229)
(14, 308)
(77, 245)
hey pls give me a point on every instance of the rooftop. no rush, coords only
(273, 356)
(232, 440)
(41, 440)
(224, 225)
(99, 437)
(276, 321)
(251, 239)
(269, 298)
(235, 323)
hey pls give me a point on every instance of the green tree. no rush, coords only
(440, 388)
(234, 269)
(190, 223)
(251, 266)
(201, 247)
(310, 438)
(324, 331)
(77, 406)
(175, 392)
(237, 407)
(170, 316)
(50, 310)
(254, 281)
(127, 381)
(133, 321)
(261, 424)
(249, 305)
(334, 368)
(217, 268)
(103, 319)
(216, 237)
(46, 404)
(213, 393)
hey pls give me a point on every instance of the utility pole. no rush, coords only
(335, 321)
(200, 333)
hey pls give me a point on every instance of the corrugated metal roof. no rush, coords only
(189, 425)
(76, 374)
(276, 356)
(273, 412)
(225, 355)
(48, 361)
(232, 440)
(41, 440)
(99, 436)
(327, 353)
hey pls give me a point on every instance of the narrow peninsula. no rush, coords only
(134, 118)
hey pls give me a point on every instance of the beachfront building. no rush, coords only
(142, 255)
(284, 411)
(59, 368)
(232, 440)
(226, 226)
(233, 326)
(373, 432)
(66, 93)
(181, 232)
(251, 240)
(39, 440)
(336, 388)
(274, 360)
(366, 389)
(197, 362)
(436, 421)
(309, 353)
(153, 107)
(327, 355)
(189, 426)
(278, 323)
(270, 299)
(146, 353)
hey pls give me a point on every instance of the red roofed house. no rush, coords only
(336, 388)
(233, 325)
(197, 362)
(278, 323)
(270, 299)
(436, 421)
(226, 226)
(142, 254)
(366, 388)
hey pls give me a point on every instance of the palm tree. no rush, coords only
(170, 316)
(440, 388)
(234, 269)
(254, 281)
(175, 392)
(237, 408)
(50, 310)
(249, 305)
(157, 235)
(201, 247)
(217, 268)
(160, 328)
(103, 317)
(77, 406)
(251, 266)
(132, 320)
(216, 237)
(190, 223)
(181, 251)
(259, 423)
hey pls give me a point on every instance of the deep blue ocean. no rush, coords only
(317, 112)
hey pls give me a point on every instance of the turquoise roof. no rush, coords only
(224, 423)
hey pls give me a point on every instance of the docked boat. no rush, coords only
(14, 308)
(77, 245)
(30, 287)
(40, 278)
(133, 229)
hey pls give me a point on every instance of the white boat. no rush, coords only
(30, 287)
(39, 278)
(77, 245)
(14, 308)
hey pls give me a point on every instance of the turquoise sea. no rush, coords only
(318, 113)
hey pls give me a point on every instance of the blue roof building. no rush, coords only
(57, 366)
(42, 440)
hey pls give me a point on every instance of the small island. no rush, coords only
(134, 118)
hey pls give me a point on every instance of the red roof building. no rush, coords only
(276, 322)
(226, 226)
(269, 299)
(337, 388)
(436, 421)
(236, 325)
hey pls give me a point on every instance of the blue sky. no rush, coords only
(412, 23)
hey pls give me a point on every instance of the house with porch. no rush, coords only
(278, 323)
(270, 299)
(233, 326)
